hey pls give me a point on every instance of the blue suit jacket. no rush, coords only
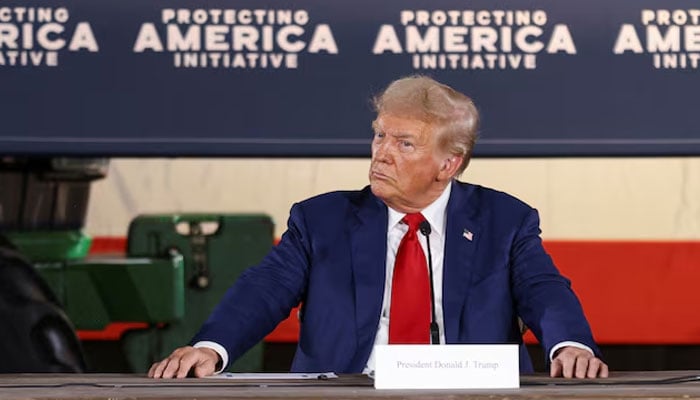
(332, 259)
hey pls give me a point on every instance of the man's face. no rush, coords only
(405, 163)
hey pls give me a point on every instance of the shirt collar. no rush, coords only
(434, 213)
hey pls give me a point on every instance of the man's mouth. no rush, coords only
(378, 175)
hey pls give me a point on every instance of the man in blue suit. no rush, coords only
(337, 258)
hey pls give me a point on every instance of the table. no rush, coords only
(625, 385)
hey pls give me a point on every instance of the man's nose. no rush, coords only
(381, 152)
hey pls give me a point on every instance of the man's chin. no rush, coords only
(378, 188)
(375, 186)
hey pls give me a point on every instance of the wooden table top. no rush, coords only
(621, 385)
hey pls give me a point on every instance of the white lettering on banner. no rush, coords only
(474, 39)
(34, 14)
(235, 60)
(232, 38)
(234, 17)
(34, 36)
(671, 37)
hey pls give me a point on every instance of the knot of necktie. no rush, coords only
(413, 221)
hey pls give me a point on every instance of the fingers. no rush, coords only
(577, 363)
(603, 372)
(556, 369)
(562, 366)
(580, 367)
(182, 360)
(170, 366)
(156, 370)
(592, 367)
(187, 361)
(204, 368)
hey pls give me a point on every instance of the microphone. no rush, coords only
(434, 329)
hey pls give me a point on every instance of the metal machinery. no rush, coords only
(128, 310)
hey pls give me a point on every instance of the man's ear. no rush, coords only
(449, 167)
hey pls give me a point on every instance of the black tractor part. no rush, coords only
(35, 334)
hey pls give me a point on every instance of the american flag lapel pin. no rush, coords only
(468, 235)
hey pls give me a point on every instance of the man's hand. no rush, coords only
(572, 362)
(201, 360)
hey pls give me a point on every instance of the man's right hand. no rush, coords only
(200, 360)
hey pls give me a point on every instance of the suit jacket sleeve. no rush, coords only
(263, 295)
(544, 298)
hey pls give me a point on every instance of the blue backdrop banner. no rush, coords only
(296, 78)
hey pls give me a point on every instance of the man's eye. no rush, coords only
(405, 146)
(378, 135)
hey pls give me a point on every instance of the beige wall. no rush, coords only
(589, 198)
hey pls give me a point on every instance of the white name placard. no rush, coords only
(452, 366)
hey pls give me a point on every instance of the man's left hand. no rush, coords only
(573, 362)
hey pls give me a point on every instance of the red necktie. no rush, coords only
(409, 317)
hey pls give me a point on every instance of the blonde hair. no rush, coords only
(453, 114)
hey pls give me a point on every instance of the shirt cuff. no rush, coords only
(219, 349)
(564, 344)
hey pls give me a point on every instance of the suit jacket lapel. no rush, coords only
(368, 241)
(462, 236)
